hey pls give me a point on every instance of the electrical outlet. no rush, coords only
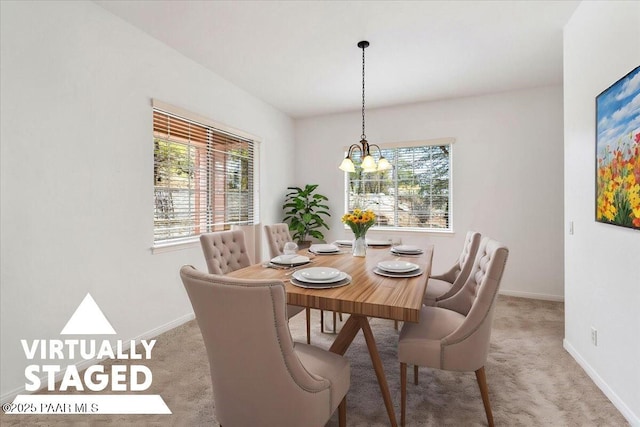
(594, 336)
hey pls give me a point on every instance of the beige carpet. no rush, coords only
(532, 380)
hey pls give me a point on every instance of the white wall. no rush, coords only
(602, 270)
(77, 159)
(507, 175)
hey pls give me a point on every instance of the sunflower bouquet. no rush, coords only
(359, 221)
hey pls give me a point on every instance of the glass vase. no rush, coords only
(359, 247)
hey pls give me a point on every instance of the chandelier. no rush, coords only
(368, 162)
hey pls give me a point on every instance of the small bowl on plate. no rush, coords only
(397, 266)
(290, 260)
(319, 273)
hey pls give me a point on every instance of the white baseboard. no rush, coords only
(126, 344)
(531, 295)
(10, 395)
(166, 327)
(626, 412)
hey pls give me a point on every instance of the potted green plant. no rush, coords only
(304, 213)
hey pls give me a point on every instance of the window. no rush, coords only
(203, 177)
(415, 194)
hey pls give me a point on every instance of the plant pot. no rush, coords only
(304, 244)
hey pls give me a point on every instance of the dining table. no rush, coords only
(369, 294)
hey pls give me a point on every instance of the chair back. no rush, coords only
(224, 251)
(468, 255)
(459, 273)
(256, 375)
(277, 236)
(467, 347)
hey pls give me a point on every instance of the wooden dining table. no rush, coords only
(368, 295)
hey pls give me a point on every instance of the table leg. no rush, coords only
(344, 339)
(346, 335)
(377, 366)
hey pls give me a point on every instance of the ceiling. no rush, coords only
(301, 56)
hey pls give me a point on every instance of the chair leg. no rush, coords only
(342, 413)
(415, 374)
(308, 314)
(395, 325)
(322, 321)
(403, 393)
(340, 315)
(484, 391)
(334, 322)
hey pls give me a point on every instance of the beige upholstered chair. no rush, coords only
(225, 251)
(277, 236)
(260, 377)
(454, 336)
(445, 285)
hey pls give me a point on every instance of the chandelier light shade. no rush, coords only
(368, 162)
(347, 165)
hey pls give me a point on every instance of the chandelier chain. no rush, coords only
(363, 136)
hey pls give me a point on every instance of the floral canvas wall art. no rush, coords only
(618, 152)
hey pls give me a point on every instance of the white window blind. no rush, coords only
(203, 178)
(415, 193)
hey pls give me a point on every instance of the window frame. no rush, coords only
(447, 141)
(159, 246)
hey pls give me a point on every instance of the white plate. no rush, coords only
(406, 254)
(371, 242)
(324, 285)
(319, 273)
(397, 266)
(287, 260)
(300, 278)
(324, 253)
(324, 248)
(407, 249)
(413, 273)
